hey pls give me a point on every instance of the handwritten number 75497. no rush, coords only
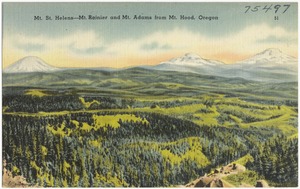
(267, 8)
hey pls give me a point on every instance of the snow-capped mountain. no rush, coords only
(270, 58)
(269, 65)
(29, 64)
(190, 63)
(190, 59)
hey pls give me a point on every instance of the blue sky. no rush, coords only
(120, 43)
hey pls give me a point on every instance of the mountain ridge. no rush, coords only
(30, 64)
(270, 65)
(272, 55)
(192, 59)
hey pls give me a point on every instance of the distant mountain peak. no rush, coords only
(191, 59)
(29, 64)
(270, 57)
(192, 55)
(271, 51)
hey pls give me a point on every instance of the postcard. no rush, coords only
(150, 94)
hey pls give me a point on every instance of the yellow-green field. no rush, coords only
(99, 122)
(36, 92)
(262, 115)
(194, 152)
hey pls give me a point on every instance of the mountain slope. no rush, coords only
(30, 64)
(190, 63)
(190, 59)
(269, 58)
(271, 65)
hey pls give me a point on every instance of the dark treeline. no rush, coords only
(51, 103)
(33, 104)
(125, 156)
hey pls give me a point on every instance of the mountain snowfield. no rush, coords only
(190, 63)
(30, 64)
(269, 65)
(269, 58)
(190, 59)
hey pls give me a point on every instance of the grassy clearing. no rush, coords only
(247, 177)
(242, 103)
(36, 92)
(180, 109)
(194, 151)
(88, 104)
(99, 122)
(61, 130)
(113, 120)
(207, 118)
(244, 160)
(280, 122)
(222, 111)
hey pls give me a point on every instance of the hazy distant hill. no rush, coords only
(270, 65)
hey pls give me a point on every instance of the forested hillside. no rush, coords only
(153, 133)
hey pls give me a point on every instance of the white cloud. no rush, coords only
(79, 41)
(182, 40)
(88, 44)
(249, 39)
(83, 40)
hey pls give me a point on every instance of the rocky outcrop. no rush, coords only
(11, 181)
(262, 183)
(214, 179)
(204, 182)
